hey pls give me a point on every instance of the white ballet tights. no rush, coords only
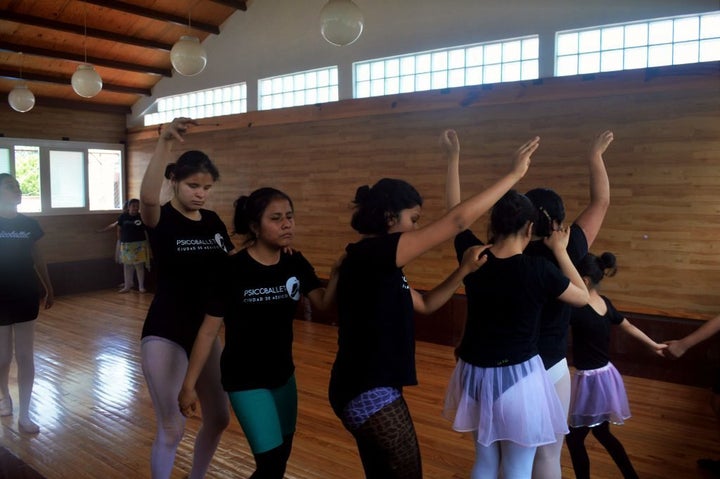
(502, 458)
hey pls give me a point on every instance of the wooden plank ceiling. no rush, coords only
(128, 42)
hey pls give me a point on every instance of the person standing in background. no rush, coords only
(21, 265)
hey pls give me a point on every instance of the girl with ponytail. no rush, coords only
(598, 395)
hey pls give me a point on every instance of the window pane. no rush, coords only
(392, 68)
(105, 179)
(5, 160)
(493, 53)
(710, 50)
(636, 35)
(530, 48)
(612, 38)
(439, 61)
(474, 76)
(567, 65)
(474, 56)
(567, 43)
(589, 41)
(456, 59)
(493, 74)
(392, 86)
(407, 66)
(439, 80)
(422, 63)
(362, 89)
(511, 51)
(685, 53)
(636, 58)
(589, 63)
(686, 29)
(710, 26)
(661, 32)
(67, 179)
(456, 78)
(407, 84)
(377, 70)
(422, 82)
(511, 71)
(362, 72)
(659, 55)
(27, 173)
(530, 70)
(611, 61)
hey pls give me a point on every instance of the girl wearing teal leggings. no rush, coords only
(256, 297)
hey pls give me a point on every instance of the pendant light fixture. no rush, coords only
(188, 56)
(20, 97)
(86, 81)
(341, 22)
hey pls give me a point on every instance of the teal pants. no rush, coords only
(266, 415)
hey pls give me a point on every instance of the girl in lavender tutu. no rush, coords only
(598, 395)
(500, 390)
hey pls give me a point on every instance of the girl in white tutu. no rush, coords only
(500, 390)
(598, 395)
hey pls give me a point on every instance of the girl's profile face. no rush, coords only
(133, 208)
(193, 191)
(407, 220)
(10, 191)
(277, 224)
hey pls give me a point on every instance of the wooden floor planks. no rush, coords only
(97, 420)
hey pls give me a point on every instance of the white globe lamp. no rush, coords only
(188, 56)
(86, 81)
(341, 22)
(21, 98)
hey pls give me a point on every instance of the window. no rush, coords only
(491, 62)
(658, 42)
(227, 100)
(296, 89)
(64, 177)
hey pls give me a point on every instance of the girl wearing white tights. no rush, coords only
(189, 244)
(21, 265)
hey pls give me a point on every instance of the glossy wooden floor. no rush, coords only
(97, 421)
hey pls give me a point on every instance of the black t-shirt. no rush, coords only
(376, 335)
(18, 279)
(258, 304)
(555, 321)
(188, 255)
(591, 335)
(132, 228)
(505, 298)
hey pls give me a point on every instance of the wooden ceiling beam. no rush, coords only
(80, 30)
(39, 77)
(155, 15)
(97, 61)
(51, 102)
(239, 4)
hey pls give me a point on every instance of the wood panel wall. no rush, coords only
(664, 168)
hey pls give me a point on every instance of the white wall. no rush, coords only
(275, 37)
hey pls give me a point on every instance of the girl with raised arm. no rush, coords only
(190, 245)
(376, 344)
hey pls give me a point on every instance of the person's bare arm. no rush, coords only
(676, 348)
(155, 173)
(592, 217)
(636, 333)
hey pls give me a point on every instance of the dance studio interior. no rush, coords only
(317, 98)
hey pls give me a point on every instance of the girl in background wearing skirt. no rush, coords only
(597, 392)
(500, 390)
(134, 247)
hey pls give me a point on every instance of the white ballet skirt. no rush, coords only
(516, 403)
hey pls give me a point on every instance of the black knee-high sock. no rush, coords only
(388, 445)
(575, 441)
(615, 449)
(271, 464)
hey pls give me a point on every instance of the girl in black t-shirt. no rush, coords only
(257, 298)
(190, 245)
(376, 348)
(598, 395)
(21, 265)
(500, 390)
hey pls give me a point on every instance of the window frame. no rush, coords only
(45, 146)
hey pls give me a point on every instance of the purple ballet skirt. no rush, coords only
(516, 403)
(598, 395)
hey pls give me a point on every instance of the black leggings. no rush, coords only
(388, 445)
(271, 464)
(580, 460)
